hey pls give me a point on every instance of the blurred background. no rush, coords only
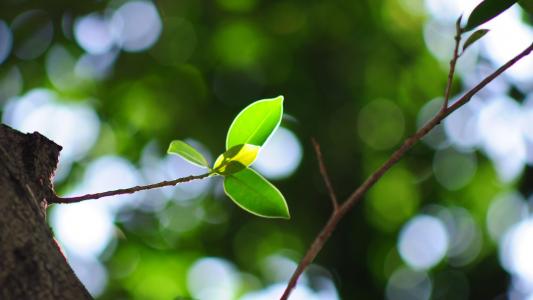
(114, 82)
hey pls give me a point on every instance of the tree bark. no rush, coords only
(31, 263)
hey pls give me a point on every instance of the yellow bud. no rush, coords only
(243, 155)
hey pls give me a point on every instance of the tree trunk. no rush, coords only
(31, 263)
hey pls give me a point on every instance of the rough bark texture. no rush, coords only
(31, 264)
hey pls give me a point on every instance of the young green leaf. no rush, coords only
(255, 123)
(485, 11)
(474, 37)
(235, 159)
(188, 153)
(255, 194)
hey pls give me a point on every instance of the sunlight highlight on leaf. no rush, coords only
(255, 123)
(236, 159)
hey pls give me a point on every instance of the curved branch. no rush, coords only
(357, 195)
(130, 190)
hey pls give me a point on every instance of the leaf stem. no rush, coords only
(130, 190)
(357, 195)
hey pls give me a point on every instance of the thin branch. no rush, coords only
(357, 195)
(487, 80)
(325, 176)
(130, 190)
(453, 62)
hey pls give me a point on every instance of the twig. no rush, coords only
(130, 190)
(357, 195)
(487, 80)
(453, 62)
(325, 176)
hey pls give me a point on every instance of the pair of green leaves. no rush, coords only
(486, 11)
(248, 132)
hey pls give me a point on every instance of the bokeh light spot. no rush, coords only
(300, 292)
(501, 136)
(84, 228)
(91, 272)
(437, 38)
(74, 126)
(454, 169)
(277, 268)
(465, 236)
(516, 248)
(60, 68)
(447, 11)
(381, 124)
(423, 242)
(110, 173)
(181, 218)
(406, 284)
(6, 41)
(510, 27)
(33, 32)
(499, 124)
(175, 167)
(393, 199)
(505, 211)
(91, 66)
(93, 33)
(462, 126)
(527, 127)
(280, 156)
(436, 138)
(212, 278)
(136, 25)
(239, 44)
(10, 83)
